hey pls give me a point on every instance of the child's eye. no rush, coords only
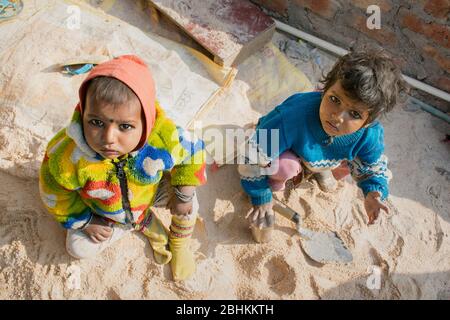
(334, 99)
(96, 123)
(125, 126)
(355, 114)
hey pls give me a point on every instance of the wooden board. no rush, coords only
(230, 30)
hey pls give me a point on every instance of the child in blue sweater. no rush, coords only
(327, 133)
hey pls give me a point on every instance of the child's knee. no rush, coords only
(287, 166)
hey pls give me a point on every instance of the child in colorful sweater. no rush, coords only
(102, 173)
(327, 133)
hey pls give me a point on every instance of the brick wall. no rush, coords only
(415, 32)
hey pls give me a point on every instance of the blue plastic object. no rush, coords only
(83, 69)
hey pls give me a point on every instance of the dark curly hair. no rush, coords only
(369, 76)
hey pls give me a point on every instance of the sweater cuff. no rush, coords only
(262, 199)
(87, 222)
(78, 222)
(380, 189)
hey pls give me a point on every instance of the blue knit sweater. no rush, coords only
(299, 130)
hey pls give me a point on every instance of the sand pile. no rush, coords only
(409, 249)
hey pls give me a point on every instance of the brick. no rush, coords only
(278, 6)
(433, 53)
(336, 31)
(384, 36)
(444, 83)
(323, 8)
(412, 22)
(438, 8)
(439, 33)
(385, 5)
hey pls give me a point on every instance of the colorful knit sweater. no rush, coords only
(76, 182)
(298, 128)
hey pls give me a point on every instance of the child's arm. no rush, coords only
(189, 160)
(370, 172)
(265, 145)
(65, 205)
(189, 170)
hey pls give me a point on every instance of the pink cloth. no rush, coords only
(289, 167)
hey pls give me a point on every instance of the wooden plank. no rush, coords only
(230, 30)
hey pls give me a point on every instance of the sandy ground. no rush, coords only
(410, 247)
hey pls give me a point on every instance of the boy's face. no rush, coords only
(340, 114)
(112, 131)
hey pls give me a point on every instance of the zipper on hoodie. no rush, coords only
(124, 189)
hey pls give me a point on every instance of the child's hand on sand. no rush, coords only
(98, 230)
(373, 205)
(261, 216)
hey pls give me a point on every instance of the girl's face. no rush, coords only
(112, 131)
(339, 114)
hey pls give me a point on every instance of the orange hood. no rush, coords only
(132, 71)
